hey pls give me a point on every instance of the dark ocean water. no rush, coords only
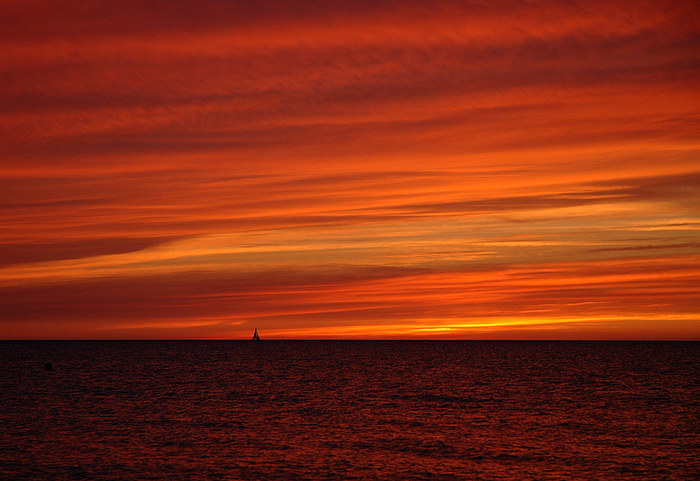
(349, 410)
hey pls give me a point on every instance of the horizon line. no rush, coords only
(350, 340)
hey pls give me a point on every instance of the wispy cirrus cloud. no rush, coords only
(366, 165)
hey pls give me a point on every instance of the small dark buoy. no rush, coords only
(48, 366)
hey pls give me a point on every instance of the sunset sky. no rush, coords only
(350, 169)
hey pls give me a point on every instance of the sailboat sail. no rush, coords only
(255, 335)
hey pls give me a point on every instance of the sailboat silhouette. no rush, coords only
(255, 335)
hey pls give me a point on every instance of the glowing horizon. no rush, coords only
(350, 170)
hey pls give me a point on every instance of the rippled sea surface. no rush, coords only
(287, 410)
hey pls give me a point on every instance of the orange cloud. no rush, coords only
(328, 170)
